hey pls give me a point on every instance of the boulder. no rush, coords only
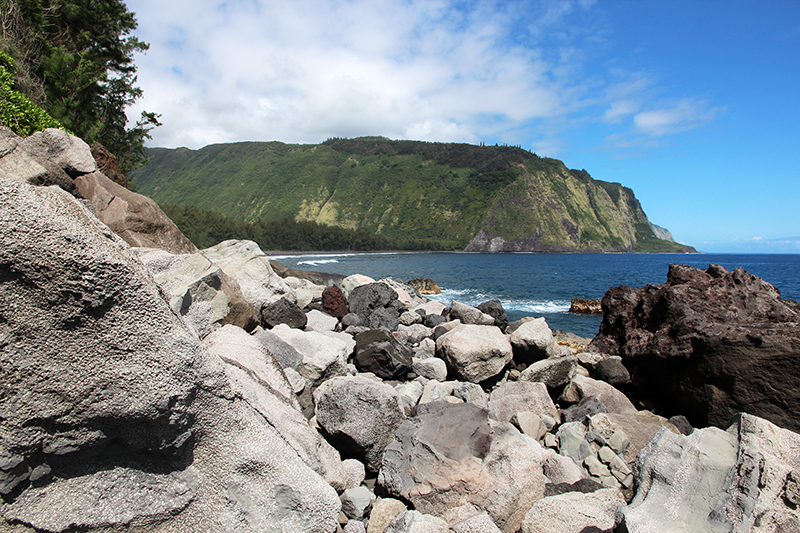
(634, 430)
(708, 344)
(356, 502)
(451, 455)
(319, 321)
(553, 372)
(108, 164)
(582, 306)
(469, 315)
(305, 291)
(574, 512)
(359, 415)
(741, 479)
(323, 357)
(132, 216)
(354, 473)
(333, 302)
(115, 417)
(406, 294)
(261, 382)
(614, 401)
(478, 523)
(474, 353)
(612, 371)
(431, 368)
(533, 340)
(365, 299)
(425, 286)
(383, 512)
(494, 308)
(514, 397)
(283, 352)
(351, 282)
(245, 263)
(193, 286)
(283, 311)
(416, 522)
(380, 353)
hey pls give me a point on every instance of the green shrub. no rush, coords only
(17, 111)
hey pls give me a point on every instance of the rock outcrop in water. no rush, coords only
(709, 344)
(116, 416)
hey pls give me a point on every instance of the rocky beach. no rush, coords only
(152, 387)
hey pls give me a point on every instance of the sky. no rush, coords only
(693, 104)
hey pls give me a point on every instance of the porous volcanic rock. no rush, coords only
(333, 302)
(708, 344)
(115, 417)
(582, 306)
(474, 353)
(380, 353)
(425, 286)
(742, 479)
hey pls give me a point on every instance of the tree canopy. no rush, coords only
(75, 59)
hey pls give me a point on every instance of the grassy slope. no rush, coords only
(404, 190)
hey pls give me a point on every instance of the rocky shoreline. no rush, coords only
(152, 387)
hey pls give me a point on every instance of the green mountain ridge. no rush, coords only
(461, 196)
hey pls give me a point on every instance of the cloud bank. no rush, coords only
(518, 72)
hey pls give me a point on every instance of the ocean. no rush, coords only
(543, 285)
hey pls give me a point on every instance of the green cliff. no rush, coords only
(482, 198)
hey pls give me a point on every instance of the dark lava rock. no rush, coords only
(612, 371)
(709, 343)
(495, 309)
(431, 321)
(380, 353)
(333, 302)
(283, 312)
(365, 299)
(588, 406)
(384, 318)
(585, 486)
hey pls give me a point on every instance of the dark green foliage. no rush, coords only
(75, 58)
(17, 111)
(408, 194)
(207, 228)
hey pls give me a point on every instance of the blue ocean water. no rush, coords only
(544, 284)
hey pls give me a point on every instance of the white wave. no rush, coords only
(315, 262)
(474, 298)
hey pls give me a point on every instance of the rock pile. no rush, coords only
(153, 391)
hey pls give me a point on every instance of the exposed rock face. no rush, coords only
(114, 415)
(582, 306)
(134, 217)
(574, 512)
(709, 343)
(742, 479)
(108, 164)
(425, 286)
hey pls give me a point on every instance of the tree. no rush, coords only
(76, 58)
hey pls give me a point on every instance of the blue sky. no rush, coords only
(693, 104)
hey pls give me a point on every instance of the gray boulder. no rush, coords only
(114, 415)
(474, 353)
(416, 522)
(533, 340)
(451, 455)
(365, 299)
(250, 268)
(574, 512)
(323, 357)
(614, 400)
(742, 479)
(359, 415)
(494, 308)
(198, 290)
(469, 315)
(520, 396)
(552, 372)
(282, 351)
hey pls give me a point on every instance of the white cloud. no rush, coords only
(305, 70)
(680, 116)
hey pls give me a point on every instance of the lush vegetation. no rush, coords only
(18, 111)
(74, 58)
(207, 228)
(413, 194)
